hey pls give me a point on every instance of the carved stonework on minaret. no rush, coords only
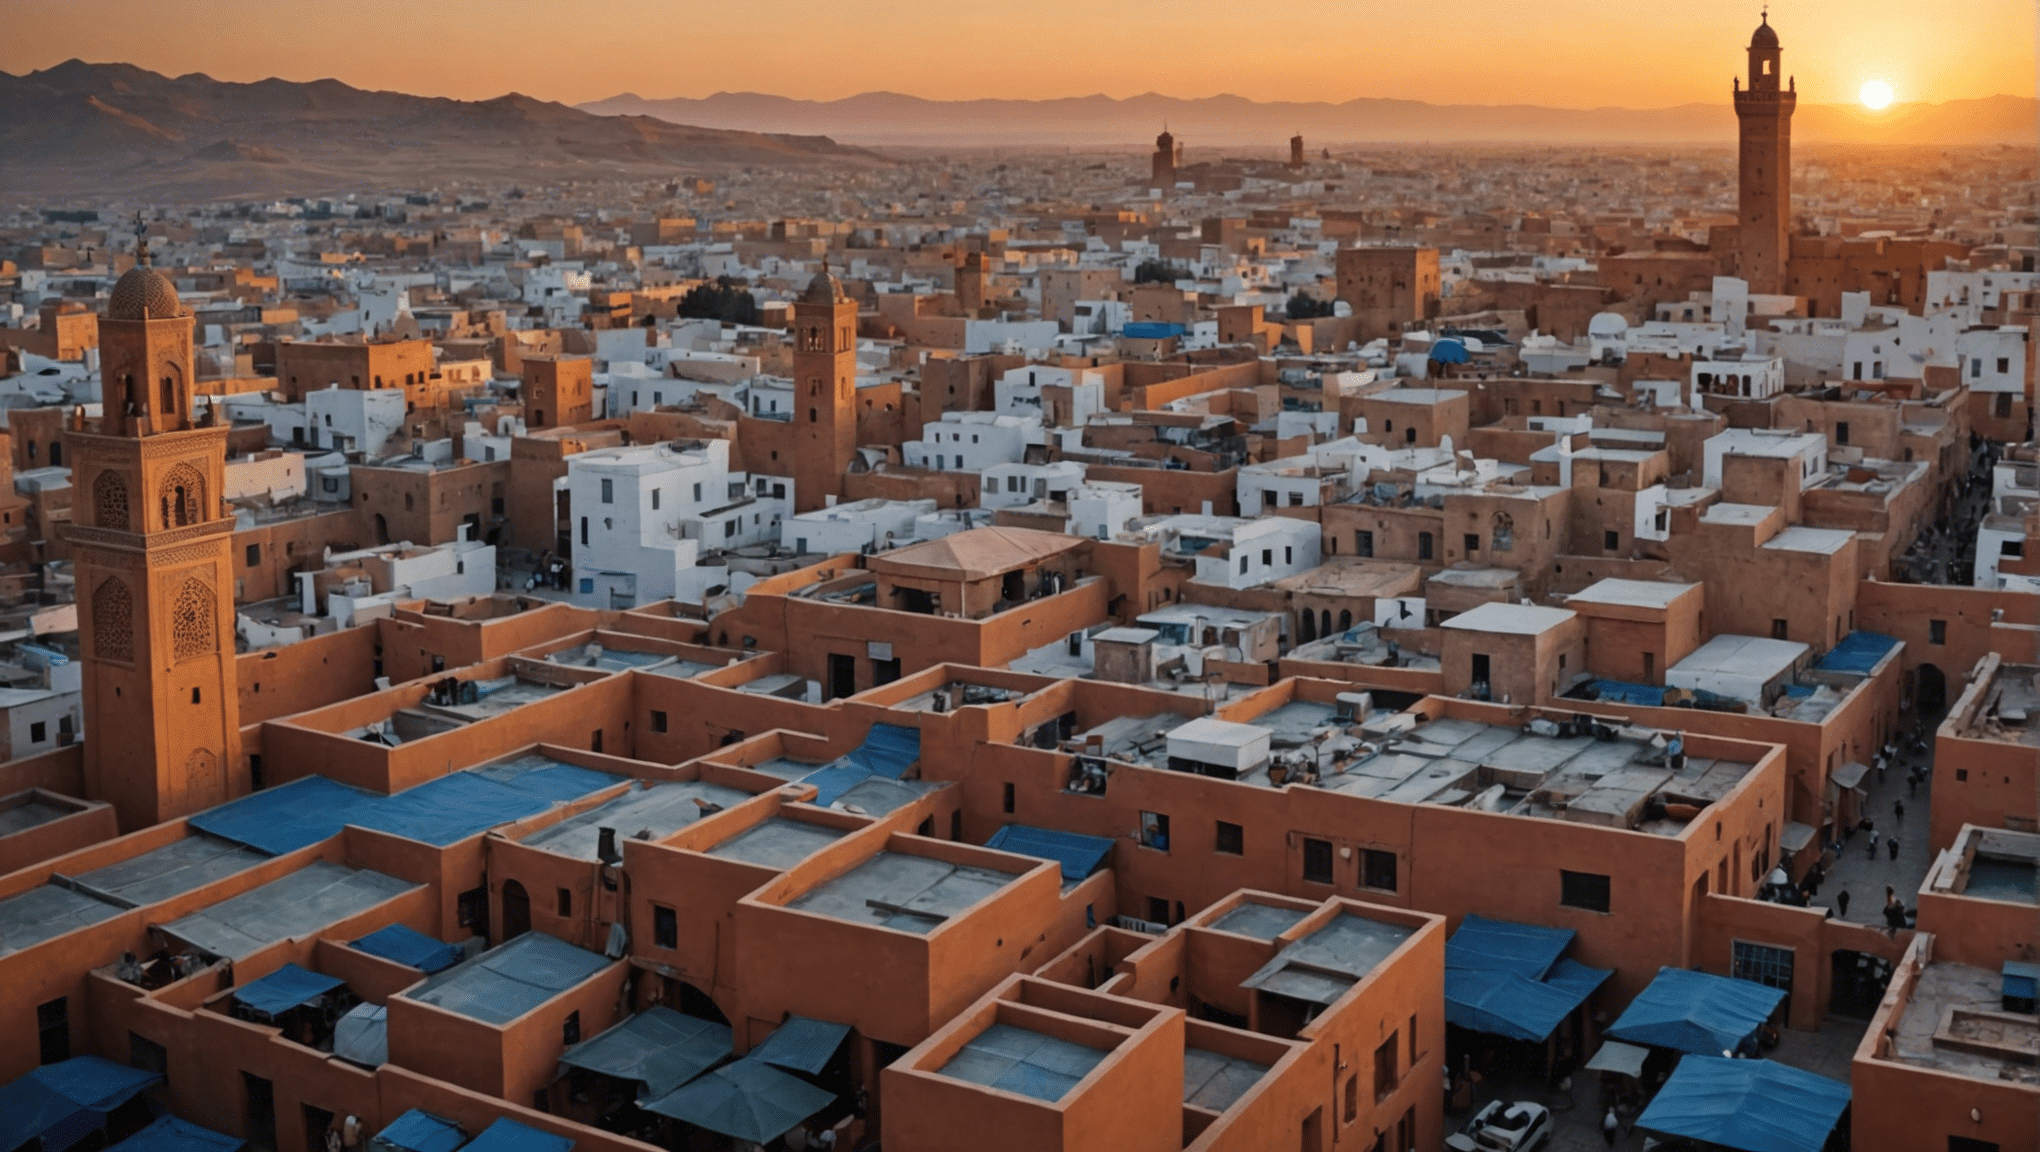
(152, 549)
(1763, 113)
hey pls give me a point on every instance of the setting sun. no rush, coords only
(1875, 94)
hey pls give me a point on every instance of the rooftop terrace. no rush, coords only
(908, 893)
(1954, 1022)
(505, 982)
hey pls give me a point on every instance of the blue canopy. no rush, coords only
(1504, 1003)
(417, 1131)
(1078, 854)
(1449, 351)
(1696, 1012)
(888, 750)
(832, 780)
(169, 1134)
(65, 1102)
(285, 989)
(509, 1136)
(1857, 652)
(745, 1099)
(659, 1048)
(287, 817)
(1528, 950)
(1750, 1105)
(801, 1044)
(1624, 692)
(415, 949)
(1151, 330)
(451, 808)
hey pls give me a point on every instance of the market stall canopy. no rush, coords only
(1749, 1105)
(1696, 1012)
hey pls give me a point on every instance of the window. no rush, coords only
(658, 720)
(1352, 1104)
(254, 555)
(2013, 548)
(1975, 371)
(1841, 431)
(147, 1055)
(1006, 801)
(1363, 542)
(1777, 629)
(261, 1110)
(655, 499)
(1377, 869)
(1317, 860)
(1423, 545)
(566, 901)
(53, 1028)
(1385, 1066)
(1232, 839)
(1154, 830)
(39, 731)
(584, 534)
(1472, 543)
(2004, 365)
(697, 493)
(1761, 964)
(1611, 540)
(1243, 565)
(1587, 890)
(665, 927)
(729, 529)
(1937, 631)
(1267, 557)
(608, 491)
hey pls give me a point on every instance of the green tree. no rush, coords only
(721, 299)
(1303, 306)
(1159, 272)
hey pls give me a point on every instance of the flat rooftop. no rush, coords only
(661, 810)
(908, 893)
(1741, 656)
(1955, 1022)
(172, 870)
(31, 812)
(1365, 645)
(301, 904)
(1800, 538)
(2006, 713)
(1320, 967)
(509, 980)
(1016, 1059)
(1214, 1081)
(1261, 921)
(1513, 619)
(1631, 593)
(776, 843)
(46, 912)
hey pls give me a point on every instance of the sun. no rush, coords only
(1876, 94)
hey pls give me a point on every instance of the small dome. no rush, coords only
(144, 294)
(823, 289)
(1765, 36)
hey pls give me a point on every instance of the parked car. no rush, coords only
(1504, 1127)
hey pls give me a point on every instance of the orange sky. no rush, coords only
(1577, 53)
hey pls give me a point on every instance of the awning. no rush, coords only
(417, 1131)
(801, 1044)
(1696, 1012)
(510, 1136)
(1503, 1003)
(169, 1134)
(1079, 855)
(745, 1100)
(888, 750)
(285, 989)
(413, 949)
(65, 1102)
(1617, 1057)
(1529, 950)
(1750, 1105)
(659, 1048)
(1850, 775)
(1794, 836)
(363, 1035)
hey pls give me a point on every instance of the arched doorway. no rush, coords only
(382, 529)
(516, 910)
(1857, 983)
(1932, 699)
(1307, 626)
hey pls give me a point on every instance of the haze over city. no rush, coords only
(1151, 577)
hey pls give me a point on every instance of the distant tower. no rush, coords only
(155, 576)
(1764, 200)
(1296, 151)
(1167, 154)
(973, 283)
(825, 385)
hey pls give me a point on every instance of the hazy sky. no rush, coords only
(1575, 53)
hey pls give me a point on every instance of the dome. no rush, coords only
(1765, 36)
(144, 294)
(823, 289)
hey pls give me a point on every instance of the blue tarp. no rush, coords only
(835, 779)
(415, 949)
(551, 779)
(285, 989)
(455, 806)
(1504, 1003)
(1696, 1012)
(801, 1045)
(510, 1136)
(1449, 351)
(1079, 855)
(1634, 695)
(1528, 950)
(65, 1102)
(659, 1048)
(289, 816)
(417, 1131)
(1858, 652)
(169, 1134)
(1751, 1105)
(888, 750)
(1151, 330)
(744, 1099)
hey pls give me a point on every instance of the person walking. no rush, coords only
(1873, 844)
(1611, 1127)
(1898, 811)
(1842, 904)
(1893, 845)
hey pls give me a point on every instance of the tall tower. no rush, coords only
(1296, 151)
(1163, 166)
(825, 386)
(154, 571)
(1764, 198)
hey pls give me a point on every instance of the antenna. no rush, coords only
(141, 239)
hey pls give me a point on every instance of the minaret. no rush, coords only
(151, 550)
(1764, 199)
(825, 386)
(1163, 166)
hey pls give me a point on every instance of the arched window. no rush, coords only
(182, 496)
(192, 621)
(113, 621)
(110, 500)
(169, 404)
(813, 416)
(407, 501)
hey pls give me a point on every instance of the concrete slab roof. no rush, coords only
(1261, 921)
(1800, 538)
(32, 812)
(300, 904)
(977, 553)
(908, 893)
(1216, 1082)
(661, 809)
(1631, 593)
(1016, 1059)
(510, 979)
(1746, 656)
(777, 843)
(1323, 965)
(1736, 513)
(46, 912)
(1512, 619)
(172, 870)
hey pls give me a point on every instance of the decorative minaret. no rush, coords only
(151, 549)
(1764, 197)
(825, 389)
(1167, 155)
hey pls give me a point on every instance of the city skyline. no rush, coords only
(1964, 49)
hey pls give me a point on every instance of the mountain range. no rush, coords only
(115, 131)
(891, 119)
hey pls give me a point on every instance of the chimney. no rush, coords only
(605, 846)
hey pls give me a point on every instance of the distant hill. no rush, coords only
(888, 118)
(115, 130)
